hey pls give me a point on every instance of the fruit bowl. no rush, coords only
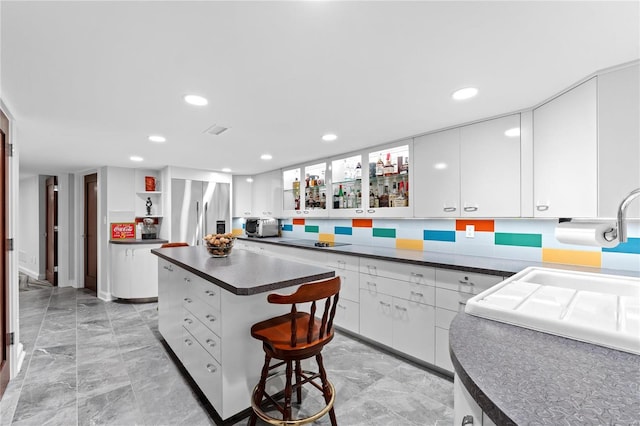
(219, 245)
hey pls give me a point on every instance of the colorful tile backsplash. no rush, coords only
(521, 239)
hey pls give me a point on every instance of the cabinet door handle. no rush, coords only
(187, 280)
(401, 308)
(298, 212)
(466, 282)
(210, 317)
(359, 211)
(306, 212)
(211, 368)
(188, 342)
(369, 283)
(542, 207)
(467, 420)
(461, 305)
(386, 305)
(186, 299)
(372, 270)
(417, 275)
(210, 293)
(449, 209)
(371, 211)
(413, 293)
(165, 267)
(170, 268)
(188, 320)
(470, 209)
(341, 306)
(211, 342)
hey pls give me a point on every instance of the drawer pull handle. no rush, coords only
(359, 211)
(413, 293)
(341, 306)
(387, 305)
(372, 270)
(188, 342)
(211, 342)
(470, 209)
(170, 268)
(466, 282)
(186, 299)
(461, 305)
(449, 209)
(416, 274)
(210, 293)
(542, 207)
(371, 211)
(371, 284)
(165, 267)
(401, 308)
(210, 317)
(188, 320)
(211, 368)
(187, 280)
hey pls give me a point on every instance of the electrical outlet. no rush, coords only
(470, 231)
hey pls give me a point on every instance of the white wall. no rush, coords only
(28, 237)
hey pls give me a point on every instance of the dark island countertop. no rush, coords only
(520, 376)
(243, 272)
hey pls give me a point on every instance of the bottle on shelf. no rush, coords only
(296, 185)
(380, 167)
(372, 198)
(340, 198)
(359, 199)
(384, 198)
(336, 200)
(358, 174)
(388, 167)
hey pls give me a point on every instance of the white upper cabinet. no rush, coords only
(267, 194)
(490, 168)
(437, 174)
(347, 191)
(618, 140)
(242, 196)
(565, 154)
(470, 171)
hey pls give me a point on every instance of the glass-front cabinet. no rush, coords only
(389, 176)
(347, 187)
(305, 191)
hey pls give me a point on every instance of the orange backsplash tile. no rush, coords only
(298, 221)
(362, 223)
(481, 225)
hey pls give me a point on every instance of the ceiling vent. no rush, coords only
(216, 130)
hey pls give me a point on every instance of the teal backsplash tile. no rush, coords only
(343, 230)
(312, 229)
(384, 232)
(436, 235)
(512, 239)
(631, 246)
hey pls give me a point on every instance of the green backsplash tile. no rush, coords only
(522, 240)
(312, 228)
(384, 232)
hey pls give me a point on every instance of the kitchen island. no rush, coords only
(206, 308)
(518, 376)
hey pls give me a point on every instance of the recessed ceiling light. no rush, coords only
(440, 166)
(329, 137)
(513, 132)
(249, 180)
(266, 157)
(226, 170)
(157, 138)
(465, 93)
(195, 100)
(136, 158)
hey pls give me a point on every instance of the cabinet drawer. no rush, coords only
(376, 320)
(207, 315)
(205, 291)
(413, 325)
(467, 282)
(424, 294)
(444, 317)
(398, 270)
(443, 359)
(451, 300)
(204, 370)
(343, 262)
(349, 284)
(348, 315)
(207, 339)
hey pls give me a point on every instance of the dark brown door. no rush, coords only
(5, 341)
(91, 232)
(52, 230)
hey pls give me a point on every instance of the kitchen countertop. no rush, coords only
(482, 265)
(149, 241)
(243, 272)
(521, 376)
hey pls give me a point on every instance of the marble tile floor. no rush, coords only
(90, 362)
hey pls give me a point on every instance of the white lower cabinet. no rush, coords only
(466, 410)
(204, 368)
(453, 289)
(413, 328)
(134, 271)
(170, 305)
(376, 321)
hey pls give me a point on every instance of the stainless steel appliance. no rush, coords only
(261, 227)
(199, 208)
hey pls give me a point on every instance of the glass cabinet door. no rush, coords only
(315, 190)
(291, 191)
(347, 194)
(388, 170)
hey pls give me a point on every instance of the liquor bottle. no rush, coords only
(359, 199)
(336, 200)
(358, 171)
(379, 167)
(388, 167)
(349, 203)
(340, 198)
(372, 198)
(384, 198)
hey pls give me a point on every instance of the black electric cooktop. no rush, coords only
(314, 243)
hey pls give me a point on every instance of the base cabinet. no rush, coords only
(466, 410)
(134, 271)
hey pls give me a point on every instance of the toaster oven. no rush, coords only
(261, 227)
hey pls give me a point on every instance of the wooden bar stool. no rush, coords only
(291, 338)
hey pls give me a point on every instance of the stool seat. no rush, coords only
(291, 338)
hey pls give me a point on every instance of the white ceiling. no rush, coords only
(88, 81)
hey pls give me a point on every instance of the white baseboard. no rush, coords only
(32, 274)
(103, 295)
(20, 355)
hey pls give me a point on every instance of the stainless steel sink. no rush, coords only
(595, 308)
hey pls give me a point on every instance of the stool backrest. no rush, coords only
(168, 245)
(312, 292)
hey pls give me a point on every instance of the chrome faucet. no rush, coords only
(621, 232)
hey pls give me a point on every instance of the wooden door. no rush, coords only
(91, 232)
(52, 230)
(5, 341)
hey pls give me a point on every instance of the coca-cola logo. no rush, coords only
(123, 230)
